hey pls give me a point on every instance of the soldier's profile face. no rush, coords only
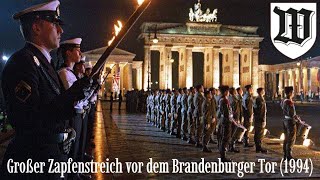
(50, 34)
(74, 55)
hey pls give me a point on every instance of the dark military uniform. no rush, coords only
(225, 126)
(184, 109)
(179, 119)
(208, 112)
(173, 102)
(240, 109)
(247, 103)
(197, 114)
(235, 103)
(161, 111)
(37, 107)
(191, 123)
(289, 127)
(260, 119)
(167, 111)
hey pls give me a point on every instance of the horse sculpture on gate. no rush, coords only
(197, 14)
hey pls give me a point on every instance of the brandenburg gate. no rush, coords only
(230, 52)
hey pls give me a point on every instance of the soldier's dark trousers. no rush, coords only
(290, 131)
(173, 123)
(179, 122)
(76, 124)
(91, 116)
(191, 125)
(207, 134)
(184, 125)
(225, 130)
(233, 138)
(83, 136)
(198, 129)
(258, 133)
(168, 120)
(246, 124)
(26, 149)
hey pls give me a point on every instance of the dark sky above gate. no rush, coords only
(93, 21)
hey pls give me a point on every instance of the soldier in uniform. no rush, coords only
(247, 103)
(191, 123)
(38, 107)
(208, 111)
(214, 106)
(162, 110)
(289, 122)
(184, 109)
(156, 103)
(240, 96)
(197, 113)
(152, 107)
(225, 122)
(235, 104)
(71, 53)
(167, 110)
(260, 120)
(173, 102)
(179, 107)
(149, 106)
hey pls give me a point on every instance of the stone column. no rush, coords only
(147, 67)
(123, 71)
(162, 68)
(281, 82)
(255, 65)
(285, 76)
(236, 76)
(298, 78)
(309, 79)
(182, 67)
(216, 73)
(189, 72)
(139, 77)
(274, 83)
(168, 64)
(129, 76)
(208, 67)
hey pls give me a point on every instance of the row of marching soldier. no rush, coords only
(50, 109)
(196, 115)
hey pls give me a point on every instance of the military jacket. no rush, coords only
(289, 110)
(197, 101)
(247, 103)
(184, 103)
(208, 110)
(235, 104)
(225, 110)
(260, 109)
(36, 101)
(190, 103)
(173, 102)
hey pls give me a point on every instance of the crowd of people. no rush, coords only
(197, 114)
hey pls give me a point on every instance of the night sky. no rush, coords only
(93, 21)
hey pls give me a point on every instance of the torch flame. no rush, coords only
(140, 2)
(117, 29)
(282, 137)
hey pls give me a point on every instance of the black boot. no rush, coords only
(205, 149)
(223, 157)
(191, 141)
(259, 149)
(198, 145)
(232, 148)
(246, 143)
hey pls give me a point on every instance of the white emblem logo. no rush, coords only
(293, 27)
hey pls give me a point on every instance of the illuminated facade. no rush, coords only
(230, 53)
(130, 71)
(303, 75)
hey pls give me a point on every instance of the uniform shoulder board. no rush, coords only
(36, 60)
